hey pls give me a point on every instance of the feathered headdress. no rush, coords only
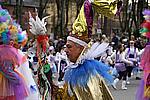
(145, 30)
(9, 29)
(38, 28)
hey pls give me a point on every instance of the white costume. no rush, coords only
(26, 71)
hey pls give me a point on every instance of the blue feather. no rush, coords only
(80, 75)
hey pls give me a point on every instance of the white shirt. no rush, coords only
(132, 51)
(121, 57)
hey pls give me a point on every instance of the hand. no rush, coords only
(131, 63)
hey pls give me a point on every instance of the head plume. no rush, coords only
(37, 26)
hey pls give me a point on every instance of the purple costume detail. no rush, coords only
(12, 82)
(146, 12)
(89, 16)
(145, 65)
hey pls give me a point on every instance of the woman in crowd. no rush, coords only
(120, 61)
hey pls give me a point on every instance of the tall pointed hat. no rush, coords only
(82, 27)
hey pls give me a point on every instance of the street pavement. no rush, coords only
(128, 94)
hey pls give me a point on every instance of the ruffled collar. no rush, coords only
(75, 65)
(89, 53)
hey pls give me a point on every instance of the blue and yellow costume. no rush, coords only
(84, 80)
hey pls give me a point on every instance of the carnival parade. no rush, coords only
(76, 61)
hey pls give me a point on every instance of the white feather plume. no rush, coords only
(96, 50)
(100, 49)
(93, 47)
(32, 24)
(37, 26)
(43, 20)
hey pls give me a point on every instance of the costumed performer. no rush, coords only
(84, 76)
(45, 82)
(143, 92)
(12, 83)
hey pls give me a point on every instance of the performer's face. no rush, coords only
(73, 51)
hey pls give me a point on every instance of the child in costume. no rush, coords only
(143, 92)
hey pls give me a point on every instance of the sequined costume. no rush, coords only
(85, 82)
(84, 79)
